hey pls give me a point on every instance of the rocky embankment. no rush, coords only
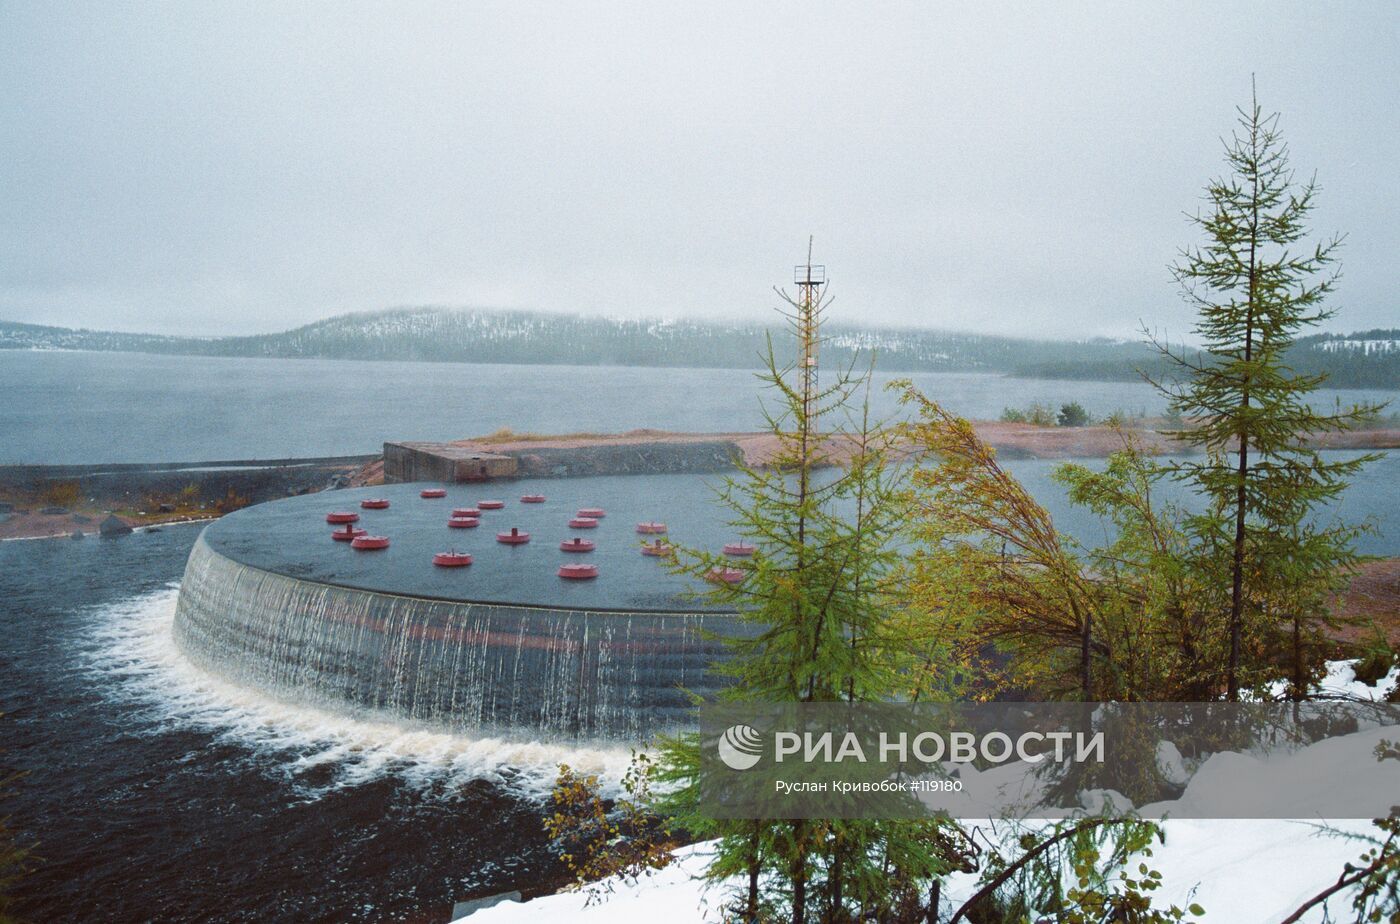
(79, 500)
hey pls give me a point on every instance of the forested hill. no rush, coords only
(1369, 359)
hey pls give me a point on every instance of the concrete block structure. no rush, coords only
(445, 462)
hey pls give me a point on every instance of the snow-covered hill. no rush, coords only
(451, 335)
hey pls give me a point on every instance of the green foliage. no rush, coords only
(1036, 414)
(1157, 621)
(1119, 418)
(1072, 415)
(823, 621)
(1256, 287)
(603, 844)
(988, 562)
(1377, 660)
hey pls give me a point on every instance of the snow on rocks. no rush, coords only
(672, 895)
(1240, 871)
(1341, 683)
(1171, 764)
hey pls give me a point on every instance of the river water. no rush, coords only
(158, 793)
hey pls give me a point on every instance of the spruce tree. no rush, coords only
(1256, 284)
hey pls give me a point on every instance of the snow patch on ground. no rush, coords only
(1341, 683)
(1239, 871)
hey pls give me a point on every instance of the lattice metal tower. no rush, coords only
(809, 280)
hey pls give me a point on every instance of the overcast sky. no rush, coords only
(233, 168)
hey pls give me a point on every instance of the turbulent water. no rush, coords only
(156, 792)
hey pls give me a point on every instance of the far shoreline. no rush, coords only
(41, 501)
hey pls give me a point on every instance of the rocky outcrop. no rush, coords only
(114, 526)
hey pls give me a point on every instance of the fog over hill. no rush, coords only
(1366, 359)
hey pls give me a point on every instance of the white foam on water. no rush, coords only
(133, 658)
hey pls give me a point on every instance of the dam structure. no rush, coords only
(508, 641)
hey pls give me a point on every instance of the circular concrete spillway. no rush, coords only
(505, 646)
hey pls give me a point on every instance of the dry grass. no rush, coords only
(507, 435)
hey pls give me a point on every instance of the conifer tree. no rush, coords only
(818, 602)
(1255, 285)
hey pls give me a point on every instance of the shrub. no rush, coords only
(1072, 415)
(1042, 415)
(1375, 663)
(62, 494)
(598, 841)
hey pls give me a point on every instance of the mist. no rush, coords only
(235, 168)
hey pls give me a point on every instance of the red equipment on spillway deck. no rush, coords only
(466, 512)
(433, 492)
(452, 559)
(651, 529)
(725, 575)
(658, 549)
(514, 537)
(366, 543)
(463, 522)
(592, 513)
(578, 572)
(375, 503)
(583, 523)
(577, 545)
(738, 549)
(348, 533)
(532, 498)
(342, 516)
(491, 504)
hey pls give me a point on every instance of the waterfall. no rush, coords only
(470, 667)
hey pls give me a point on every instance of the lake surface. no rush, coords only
(80, 408)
